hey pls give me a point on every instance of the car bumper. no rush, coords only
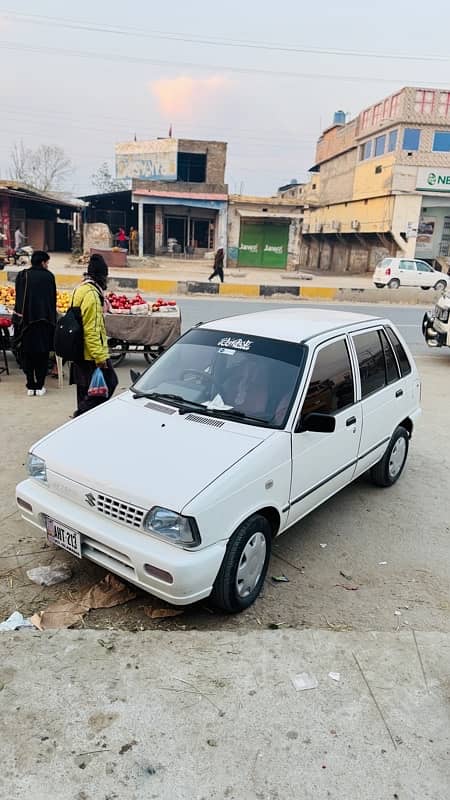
(125, 551)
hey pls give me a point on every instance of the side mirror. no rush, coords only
(318, 423)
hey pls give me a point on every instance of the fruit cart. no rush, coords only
(138, 327)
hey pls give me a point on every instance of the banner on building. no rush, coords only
(149, 161)
(425, 233)
(430, 179)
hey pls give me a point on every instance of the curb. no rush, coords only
(312, 293)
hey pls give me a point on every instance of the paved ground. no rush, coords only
(203, 716)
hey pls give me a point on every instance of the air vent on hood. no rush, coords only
(215, 423)
(161, 409)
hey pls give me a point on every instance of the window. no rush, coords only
(444, 104)
(422, 267)
(371, 362)
(378, 170)
(192, 167)
(402, 358)
(424, 102)
(392, 141)
(331, 387)
(392, 373)
(411, 139)
(380, 144)
(407, 265)
(441, 142)
(366, 151)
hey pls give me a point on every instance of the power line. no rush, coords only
(215, 41)
(115, 58)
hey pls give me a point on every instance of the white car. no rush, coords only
(239, 430)
(396, 272)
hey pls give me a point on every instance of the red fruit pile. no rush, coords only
(159, 303)
(120, 302)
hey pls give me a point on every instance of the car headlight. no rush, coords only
(36, 467)
(177, 529)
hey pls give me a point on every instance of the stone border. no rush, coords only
(405, 296)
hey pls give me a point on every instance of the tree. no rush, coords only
(104, 181)
(45, 168)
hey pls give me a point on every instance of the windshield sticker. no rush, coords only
(235, 344)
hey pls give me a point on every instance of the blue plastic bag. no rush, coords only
(97, 386)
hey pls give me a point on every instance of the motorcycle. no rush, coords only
(21, 256)
(436, 323)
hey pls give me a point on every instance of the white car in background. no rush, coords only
(396, 272)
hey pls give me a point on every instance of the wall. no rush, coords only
(216, 157)
(180, 187)
(406, 210)
(373, 215)
(336, 140)
(337, 177)
(369, 183)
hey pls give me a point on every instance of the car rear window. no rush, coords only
(402, 358)
(386, 262)
(392, 372)
(371, 361)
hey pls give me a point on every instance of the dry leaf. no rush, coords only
(162, 613)
(110, 592)
(62, 614)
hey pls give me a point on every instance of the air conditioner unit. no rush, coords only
(305, 228)
(335, 225)
(318, 227)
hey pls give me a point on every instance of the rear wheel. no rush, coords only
(244, 566)
(151, 355)
(391, 466)
(394, 283)
(425, 288)
(440, 286)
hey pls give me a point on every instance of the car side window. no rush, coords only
(392, 372)
(402, 358)
(372, 367)
(331, 387)
(409, 265)
(422, 267)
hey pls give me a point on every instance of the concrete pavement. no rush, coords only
(200, 716)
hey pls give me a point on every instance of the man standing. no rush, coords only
(90, 300)
(19, 238)
(134, 242)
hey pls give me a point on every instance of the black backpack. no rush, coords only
(69, 339)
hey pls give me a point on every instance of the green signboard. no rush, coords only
(263, 244)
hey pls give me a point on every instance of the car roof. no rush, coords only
(289, 324)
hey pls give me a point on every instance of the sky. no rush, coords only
(265, 77)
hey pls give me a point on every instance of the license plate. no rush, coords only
(64, 537)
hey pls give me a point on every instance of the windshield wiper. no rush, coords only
(234, 414)
(187, 405)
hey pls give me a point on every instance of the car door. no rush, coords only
(322, 463)
(382, 393)
(425, 274)
(408, 272)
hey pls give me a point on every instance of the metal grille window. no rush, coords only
(424, 102)
(444, 248)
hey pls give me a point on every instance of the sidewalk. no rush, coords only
(200, 716)
(178, 277)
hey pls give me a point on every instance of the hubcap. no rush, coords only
(397, 458)
(251, 565)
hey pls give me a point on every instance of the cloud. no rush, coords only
(183, 96)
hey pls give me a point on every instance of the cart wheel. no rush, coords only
(117, 351)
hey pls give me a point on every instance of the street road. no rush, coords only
(407, 318)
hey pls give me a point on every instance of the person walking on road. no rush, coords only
(35, 320)
(89, 298)
(218, 265)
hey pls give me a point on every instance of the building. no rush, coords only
(49, 221)
(179, 192)
(264, 232)
(380, 185)
(291, 191)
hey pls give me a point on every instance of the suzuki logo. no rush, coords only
(90, 499)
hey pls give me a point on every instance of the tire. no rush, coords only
(151, 356)
(394, 283)
(231, 592)
(391, 466)
(117, 352)
(440, 286)
(379, 285)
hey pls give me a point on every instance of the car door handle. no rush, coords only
(399, 393)
(351, 421)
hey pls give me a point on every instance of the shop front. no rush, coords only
(263, 244)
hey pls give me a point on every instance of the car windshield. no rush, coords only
(229, 375)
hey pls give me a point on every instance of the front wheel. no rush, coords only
(440, 286)
(391, 466)
(394, 284)
(244, 566)
(379, 285)
(425, 288)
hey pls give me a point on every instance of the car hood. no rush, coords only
(145, 453)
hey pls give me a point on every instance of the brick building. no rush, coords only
(179, 191)
(380, 185)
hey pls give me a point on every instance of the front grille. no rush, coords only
(121, 512)
(442, 314)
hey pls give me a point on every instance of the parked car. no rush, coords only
(396, 272)
(244, 426)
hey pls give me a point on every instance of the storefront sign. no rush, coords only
(433, 180)
(150, 161)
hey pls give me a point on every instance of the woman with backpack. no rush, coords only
(89, 298)
(35, 320)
